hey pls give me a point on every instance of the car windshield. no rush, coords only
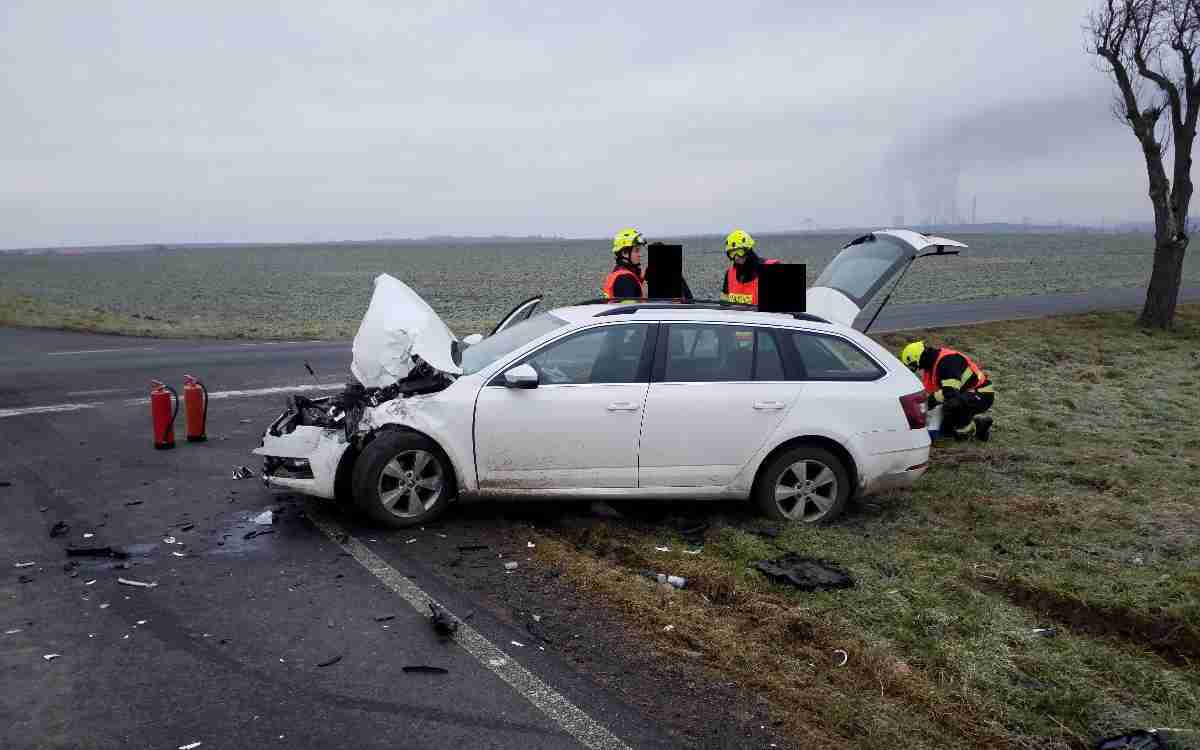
(479, 356)
(862, 268)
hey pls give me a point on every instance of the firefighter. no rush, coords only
(956, 384)
(626, 280)
(741, 279)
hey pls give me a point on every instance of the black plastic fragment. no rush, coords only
(422, 669)
(187, 527)
(330, 661)
(257, 532)
(1142, 739)
(442, 621)
(96, 552)
(805, 573)
(5, 483)
(471, 547)
(133, 502)
(60, 528)
(385, 618)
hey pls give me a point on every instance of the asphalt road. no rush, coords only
(227, 649)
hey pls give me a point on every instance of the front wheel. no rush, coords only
(806, 484)
(403, 479)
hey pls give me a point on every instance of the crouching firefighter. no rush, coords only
(626, 280)
(956, 384)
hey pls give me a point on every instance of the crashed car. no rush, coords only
(798, 413)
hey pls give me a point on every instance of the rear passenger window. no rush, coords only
(833, 358)
(719, 353)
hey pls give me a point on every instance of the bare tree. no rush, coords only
(1149, 48)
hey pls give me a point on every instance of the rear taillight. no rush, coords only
(914, 409)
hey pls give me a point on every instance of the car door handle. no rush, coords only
(768, 405)
(623, 406)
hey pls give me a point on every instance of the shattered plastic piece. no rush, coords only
(266, 518)
(96, 552)
(510, 566)
(443, 622)
(410, 541)
(133, 502)
(187, 527)
(693, 551)
(257, 532)
(530, 545)
(242, 472)
(60, 528)
(169, 540)
(678, 582)
(25, 579)
(805, 573)
(24, 565)
(190, 746)
(1142, 739)
(422, 669)
(106, 605)
(668, 628)
(141, 622)
(89, 583)
(14, 631)
(330, 661)
(845, 657)
(385, 618)
(517, 643)
(662, 549)
(141, 584)
(88, 535)
(50, 657)
(1045, 632)
(179, 554)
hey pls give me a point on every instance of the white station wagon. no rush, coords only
(798, 413)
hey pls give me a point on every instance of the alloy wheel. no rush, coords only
(411, 483)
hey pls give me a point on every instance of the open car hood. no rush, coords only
(863, 268)
(399, 325)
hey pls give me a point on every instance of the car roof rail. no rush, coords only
(628, 307)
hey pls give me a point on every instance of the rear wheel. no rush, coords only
(403, 479)
(806, 484)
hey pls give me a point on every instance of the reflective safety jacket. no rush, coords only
(610, 284)
(741, 293)
(955, 371)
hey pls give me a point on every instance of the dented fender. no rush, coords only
(439, 419)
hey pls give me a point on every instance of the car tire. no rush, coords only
(817, 497)
(403, 479)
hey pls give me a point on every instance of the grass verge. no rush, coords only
(1041, 591)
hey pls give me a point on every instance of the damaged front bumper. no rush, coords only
(301, 457)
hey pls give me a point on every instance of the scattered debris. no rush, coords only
(662, 549)
(330, 661)
(89, 583)
(179, 554)
(845, 657)
(88, 535)
(510, 566)
(266, 518)
(5, 483)
(24, 579)
(187, 527)
(385, 618)
(96, 552)
(517, 643)
(1141, 739)
(131, 503)
(257, 532)
(678, 582)
(668, 628)
(471, 547)
(140, 622)
(24, 565)
(497, 662)
(422, 669)
(805, 573)
(190, 746)
(530, 545)
(242, 472)
(1044, 632)
(60, 528)
(443, 622)
(169, 540)
(131, 582)
(106, 605)
(13, 631)
(50, 657)
(410, 541)
(693, 551)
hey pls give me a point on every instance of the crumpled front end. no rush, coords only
(302, 448)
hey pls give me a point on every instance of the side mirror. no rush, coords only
(473, 339)
(521, 376)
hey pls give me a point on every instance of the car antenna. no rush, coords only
(308, 367)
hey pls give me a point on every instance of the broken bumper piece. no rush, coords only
(304, 460)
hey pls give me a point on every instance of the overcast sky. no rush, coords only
(219, 120)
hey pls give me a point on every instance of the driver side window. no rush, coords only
(612, 354)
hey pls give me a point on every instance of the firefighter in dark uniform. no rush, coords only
(955, 383)
(741, 278)
(626, 280)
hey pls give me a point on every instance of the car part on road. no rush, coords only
(806, 483)
(266, 518)
(402, 479)
(60, 528)
(50, 657)
(805, 573)
(139, 584)
(242, 472)
(510, 566)
(443, 622)
(24, 564)
(678, 582)
(330, 661)
(257, 532)
(422, 669)
(96, 552)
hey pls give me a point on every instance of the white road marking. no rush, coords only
(218, 395)
(568, 716)
(47, 409)
(97, 392)
(102, 351)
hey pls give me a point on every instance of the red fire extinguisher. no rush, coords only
(195, 408)
(163, 415)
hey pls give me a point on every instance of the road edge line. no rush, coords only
(546, 699)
